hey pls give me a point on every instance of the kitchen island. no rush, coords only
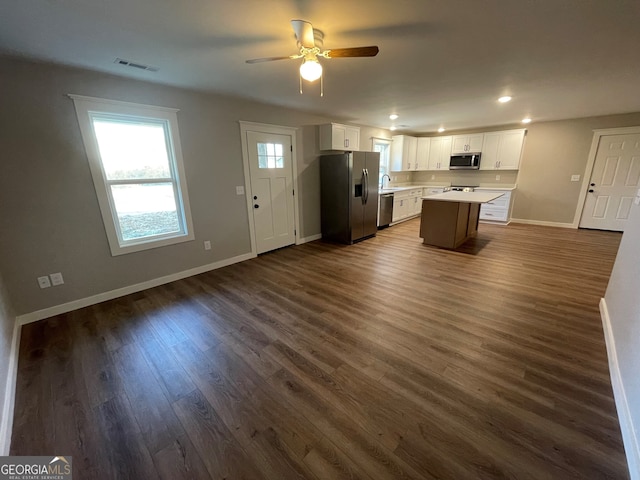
(451, 218)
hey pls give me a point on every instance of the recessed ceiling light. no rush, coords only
(393, 128)
(504, 99)
(440, 130)
(393, 116)
(526, 120)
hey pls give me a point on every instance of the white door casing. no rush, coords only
(270, 182)
(613, 183)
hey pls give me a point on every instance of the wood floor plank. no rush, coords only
(158, 424)
(180, 461)
(218, 449)
(384, 359)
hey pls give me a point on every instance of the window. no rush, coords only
(270, 155)
(383, 146)
(136, 164)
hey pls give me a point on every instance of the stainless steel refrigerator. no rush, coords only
(349, 186)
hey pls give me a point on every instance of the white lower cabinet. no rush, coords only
(400, 206)
(498, 210)
(406, 204)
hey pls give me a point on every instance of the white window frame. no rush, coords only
(88, 106)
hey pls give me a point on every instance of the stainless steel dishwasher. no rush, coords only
(385, 210)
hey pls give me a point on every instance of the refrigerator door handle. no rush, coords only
(365, 197)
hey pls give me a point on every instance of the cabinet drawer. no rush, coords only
(492, 213)
(502, 202)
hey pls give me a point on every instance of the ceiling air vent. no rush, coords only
(139, 66)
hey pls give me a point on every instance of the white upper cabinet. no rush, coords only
(403, 153)
(422, 153)
(502, 150)
(439, 153)
(467, 143)
(335, 136)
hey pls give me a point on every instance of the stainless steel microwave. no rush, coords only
(468, 161)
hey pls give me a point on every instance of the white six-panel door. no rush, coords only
(614, 183)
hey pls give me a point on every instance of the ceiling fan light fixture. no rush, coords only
(311, 70)
(505, 99)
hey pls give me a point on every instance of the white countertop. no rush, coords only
(465, 197)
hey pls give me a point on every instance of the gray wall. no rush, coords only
(48, 199)
(623, 304)
(553, 152)
(7, 325)
(47, 195)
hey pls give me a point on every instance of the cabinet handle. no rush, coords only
(346, 142)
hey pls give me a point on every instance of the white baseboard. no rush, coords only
(120, 292)
(310, 238)
(6, 421)
(543, 223)
(629, 437)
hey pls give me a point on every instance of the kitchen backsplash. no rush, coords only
(448, 177)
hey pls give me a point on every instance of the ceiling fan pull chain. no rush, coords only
(322, 85)
(300, 84)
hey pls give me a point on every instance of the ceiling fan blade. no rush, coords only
(371, 51)
(304, 33)
(270, 59)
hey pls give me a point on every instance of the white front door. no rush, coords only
(271, 172)
(614, 183)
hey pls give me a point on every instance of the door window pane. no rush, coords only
(270, 155)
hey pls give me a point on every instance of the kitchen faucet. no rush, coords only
(382, 182)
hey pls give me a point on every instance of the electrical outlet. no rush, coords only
(207, 244)
(56, 279)
(239, 190)
(497, 177)
(575, 178)
(44, 282)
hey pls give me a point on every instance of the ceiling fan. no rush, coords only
(310, 42)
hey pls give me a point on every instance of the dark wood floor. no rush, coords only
(387, 359)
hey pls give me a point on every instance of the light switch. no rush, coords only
(207, 244)
(44, 282)
(240, 190)
(575, 178)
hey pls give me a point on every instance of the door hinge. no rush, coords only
(295, 232)
(293, 192)
(291, 147)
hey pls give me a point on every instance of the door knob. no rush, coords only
(256, 206)
(591, 190)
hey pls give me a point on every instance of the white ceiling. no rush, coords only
(441, 62)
